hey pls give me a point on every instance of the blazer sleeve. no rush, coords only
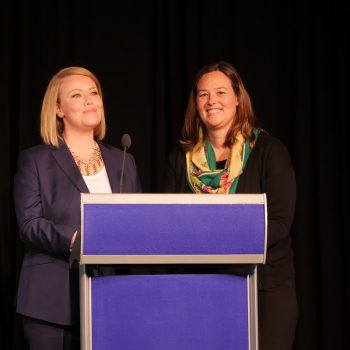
(35, 229)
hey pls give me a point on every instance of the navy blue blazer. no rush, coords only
(47, 190)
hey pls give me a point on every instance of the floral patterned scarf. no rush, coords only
(202, 175)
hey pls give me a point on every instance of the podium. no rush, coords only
(165, 311)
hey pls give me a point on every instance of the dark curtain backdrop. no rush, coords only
(292, 56)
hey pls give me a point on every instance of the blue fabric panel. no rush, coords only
(137, 229)
(172, 312)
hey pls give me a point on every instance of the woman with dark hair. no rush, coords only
(223, 152)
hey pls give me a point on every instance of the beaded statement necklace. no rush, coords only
(93, 165)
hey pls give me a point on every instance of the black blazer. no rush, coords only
(47, 190)
(269, 170)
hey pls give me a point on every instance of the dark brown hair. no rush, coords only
(244, 120)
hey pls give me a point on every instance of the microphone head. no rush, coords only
(126, 141)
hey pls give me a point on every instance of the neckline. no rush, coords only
(220, 164)
(103, 170)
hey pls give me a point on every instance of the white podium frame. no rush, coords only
(115, 259)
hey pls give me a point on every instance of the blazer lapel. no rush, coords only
(66, 162)
(112, 166)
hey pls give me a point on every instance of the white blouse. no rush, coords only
(98, 183)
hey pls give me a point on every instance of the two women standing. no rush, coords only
(223, 151)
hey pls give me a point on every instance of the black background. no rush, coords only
(292, 56)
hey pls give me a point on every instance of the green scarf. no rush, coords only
(202, 175)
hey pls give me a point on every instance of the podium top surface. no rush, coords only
(173, 228)
(171, 198)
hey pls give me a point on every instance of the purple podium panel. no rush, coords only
(172, 312)
(155, 229)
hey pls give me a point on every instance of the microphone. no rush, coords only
(126, 143)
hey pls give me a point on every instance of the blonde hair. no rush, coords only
(51, 126)
(244, 120)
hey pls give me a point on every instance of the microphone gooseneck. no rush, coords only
(126, 143)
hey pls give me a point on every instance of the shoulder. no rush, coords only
(109, 148)
(270, 144)
(113, 154)
(272, 151)
(38, 149)
(36, 152)
(176, 157)
(33, 161)
(111, 151)
(267, 141)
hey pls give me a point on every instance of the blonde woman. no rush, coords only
(49, 180)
